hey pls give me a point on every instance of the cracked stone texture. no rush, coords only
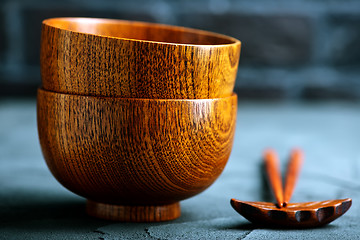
(34, 206)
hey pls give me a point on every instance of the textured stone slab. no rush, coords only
(218, 228)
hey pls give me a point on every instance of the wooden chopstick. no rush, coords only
(292, 173)
(272, 168)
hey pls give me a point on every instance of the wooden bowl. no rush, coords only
(135, 159)
(116, 58)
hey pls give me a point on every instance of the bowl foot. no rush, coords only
(154, 213)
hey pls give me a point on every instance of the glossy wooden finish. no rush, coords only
(294, 215)
(292, 173)
(130, 213)
(135, 154)
(103, 57)
(272, 168)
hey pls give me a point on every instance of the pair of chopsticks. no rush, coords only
(283, 195)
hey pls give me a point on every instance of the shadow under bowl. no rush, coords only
(128, 59)
(135, 159)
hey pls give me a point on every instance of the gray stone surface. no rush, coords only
(34, 206)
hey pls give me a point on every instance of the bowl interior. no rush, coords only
(139, 31)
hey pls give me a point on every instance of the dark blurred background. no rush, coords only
(300, 49)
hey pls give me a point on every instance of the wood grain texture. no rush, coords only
(117, 58)
(135, 151)
(143, 213)
(294, 215)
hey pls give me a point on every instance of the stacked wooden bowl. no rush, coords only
(135, 116)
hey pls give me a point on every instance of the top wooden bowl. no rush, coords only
(116, 58)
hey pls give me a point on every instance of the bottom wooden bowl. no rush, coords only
(135, 159)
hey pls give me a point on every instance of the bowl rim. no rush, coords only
(42, 90)
(51, 22)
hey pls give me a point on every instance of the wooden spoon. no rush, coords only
(284, 214)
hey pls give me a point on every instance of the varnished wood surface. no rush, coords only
(272, 169)
(292, 173)
(128, 59)
(294, 215)
(142, 213)
(135, 151)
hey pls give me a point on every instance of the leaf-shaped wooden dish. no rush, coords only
(294, 215)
